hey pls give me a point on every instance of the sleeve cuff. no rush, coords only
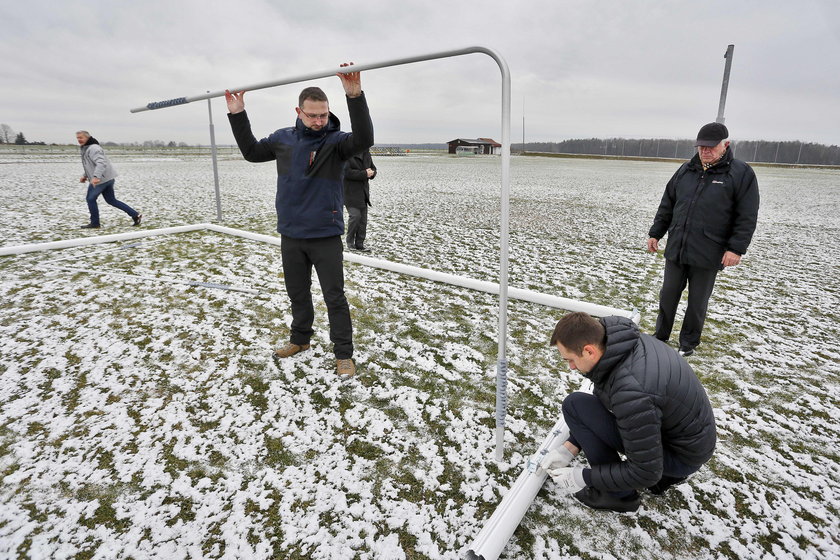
(577, 474)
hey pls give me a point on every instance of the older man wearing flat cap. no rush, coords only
(709, 211)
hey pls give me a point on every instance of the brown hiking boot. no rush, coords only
(290, 349)
(345, 367)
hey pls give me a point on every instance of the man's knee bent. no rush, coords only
(572, 402)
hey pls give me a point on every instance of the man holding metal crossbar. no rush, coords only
(310, 159)
(647, 405)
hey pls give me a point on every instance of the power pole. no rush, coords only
(725, 86)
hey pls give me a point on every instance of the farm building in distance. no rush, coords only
(474, 146)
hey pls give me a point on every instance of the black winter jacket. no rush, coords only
(356, 181)
(310, 165)
(657, 401)
(706, 213)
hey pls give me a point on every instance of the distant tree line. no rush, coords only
(8, 136)
(149, 144)
(810, 153)
(748, 150)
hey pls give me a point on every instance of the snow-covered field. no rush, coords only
(143, 417)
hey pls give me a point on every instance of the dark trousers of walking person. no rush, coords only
(700, 283)
(594, 430)
(105, 189)
(357, 226)
(326, 255)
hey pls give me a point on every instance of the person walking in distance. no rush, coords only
(100, 175)
(359, 172)
(709, 211)
(310, 158)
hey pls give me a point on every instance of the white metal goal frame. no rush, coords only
(501, 364)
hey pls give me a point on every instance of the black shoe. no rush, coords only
(685, 351)
(664, 483)
(91, 226)
(596, 499)
(362, 248)
(137, 219)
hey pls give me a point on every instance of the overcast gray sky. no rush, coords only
(646, 68)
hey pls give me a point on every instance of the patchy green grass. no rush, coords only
(143, 413)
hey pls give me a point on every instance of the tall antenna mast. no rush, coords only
(725, 86)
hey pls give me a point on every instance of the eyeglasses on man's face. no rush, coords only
(321, 117)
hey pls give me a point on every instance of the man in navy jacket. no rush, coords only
(709, 211)
(310, 159)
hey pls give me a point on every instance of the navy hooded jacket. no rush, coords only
(310, 163)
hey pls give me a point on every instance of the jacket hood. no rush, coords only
(90, 141)
(621, 337)
(332, 124)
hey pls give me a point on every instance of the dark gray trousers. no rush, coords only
(594, 430)
(700, 283)
(357, 226)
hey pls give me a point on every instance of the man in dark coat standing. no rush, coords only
(709, 211)
(647, 404)
(358, 173)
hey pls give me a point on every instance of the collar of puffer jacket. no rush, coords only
(620, 339)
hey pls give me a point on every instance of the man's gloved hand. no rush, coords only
(568, 479)
(557, 458)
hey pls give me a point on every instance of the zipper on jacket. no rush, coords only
(690, 212)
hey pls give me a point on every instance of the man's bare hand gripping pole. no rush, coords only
(352, 81)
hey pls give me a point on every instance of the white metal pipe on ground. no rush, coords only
(261, 237)
(443, 277)
(493, 537)
(490, 287)
(97, 239)
(446, 278)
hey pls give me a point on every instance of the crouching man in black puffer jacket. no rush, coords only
(647, 405)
